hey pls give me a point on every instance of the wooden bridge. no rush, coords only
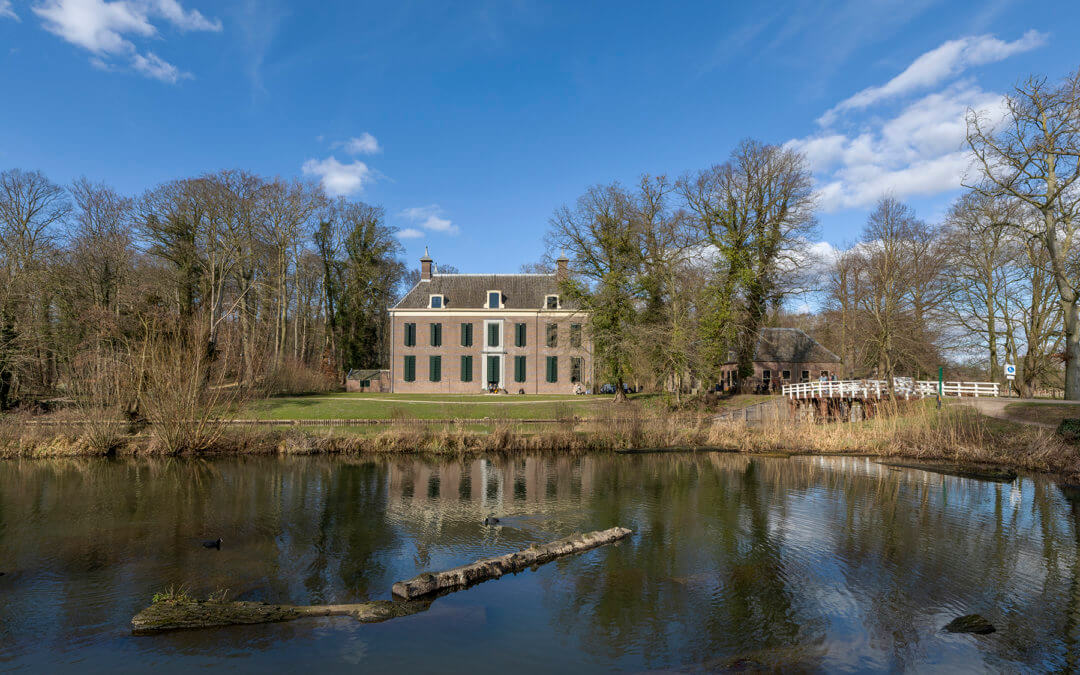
(903, 387)
(857, 399)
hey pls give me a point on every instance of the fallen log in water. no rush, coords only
(493, 568)
(177, 615)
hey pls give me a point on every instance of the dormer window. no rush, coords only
(494, 299)
(551, 302)
(436, 301)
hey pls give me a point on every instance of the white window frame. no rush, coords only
(431, 301)
(487, 299)
(558, 302)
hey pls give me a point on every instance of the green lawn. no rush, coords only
(1050, 413)
(424, 406)
(451, 406)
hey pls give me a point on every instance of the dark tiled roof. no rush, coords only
(469, 291)
(789, 345)
(364, 374)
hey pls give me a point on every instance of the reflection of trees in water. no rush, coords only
(793, 545)
(776, 559)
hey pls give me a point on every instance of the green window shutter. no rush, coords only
(519, 335)
(466, 369)
(493, 335)
(553, 369)
(466, 335)
(410, 335)
(410, 368)
(436, 335)
(434, 368)
(519, 369)
(493, 369)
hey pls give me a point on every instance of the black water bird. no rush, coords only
(491, 521)
(216, 543)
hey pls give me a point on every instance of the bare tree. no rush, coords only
(31, 208)
(1033, 155)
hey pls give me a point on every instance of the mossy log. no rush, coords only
(492, 568)
(178, 615)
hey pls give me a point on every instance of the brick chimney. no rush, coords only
(561, 268)
(425, 266)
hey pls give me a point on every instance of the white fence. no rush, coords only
(904, 387)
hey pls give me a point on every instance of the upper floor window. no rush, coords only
(436, 302)
(436, 335)
(410, 335)
(552, 335)
(494, 299)
(551, 302)
(575, 335)
(494, 335)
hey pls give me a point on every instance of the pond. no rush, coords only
(808, 564)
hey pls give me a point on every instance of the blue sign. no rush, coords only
(1010, 371)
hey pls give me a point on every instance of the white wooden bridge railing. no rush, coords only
(905, 387)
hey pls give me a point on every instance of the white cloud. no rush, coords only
(937, 65)
(430, 218)
(7, 11)
(153, 66)
(103, 27)
(364, 144)
(920, 149)
(410, 233)
(339, 180)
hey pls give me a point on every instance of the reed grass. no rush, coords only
(917, 431)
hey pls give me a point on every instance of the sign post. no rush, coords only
(1010, 374)
(940, 385)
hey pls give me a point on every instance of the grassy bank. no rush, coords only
(1045, 413)
(914, 431)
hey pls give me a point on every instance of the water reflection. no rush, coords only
(807, 563)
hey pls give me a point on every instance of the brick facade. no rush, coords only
(463, 299)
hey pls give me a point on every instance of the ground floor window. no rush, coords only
(787, 375)
(766, 377)
(825, 374)
(553, 369)
(519, 369)
(410, 369)
(806, 376)
(466, 369)
(493, 371)
(434, 368)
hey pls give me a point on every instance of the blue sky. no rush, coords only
(471, 122)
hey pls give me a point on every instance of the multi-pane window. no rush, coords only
(410, 368)
(519, 335)
(435, 368)
(493, 335)
(806, 376)
(786, 375)
(436, 302)
(576, 365)
(466, 335)
(575, 335)
(552, 302)
(552, 335)
(519, 369)
(553, 369)
(410, 335)
(436, 335)
(466, 369)
(494, 299)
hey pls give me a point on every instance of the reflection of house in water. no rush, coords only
(490, 485)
